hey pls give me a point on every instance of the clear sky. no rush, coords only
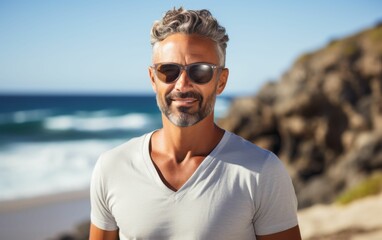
(104, 46)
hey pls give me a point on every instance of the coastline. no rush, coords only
(43, 217)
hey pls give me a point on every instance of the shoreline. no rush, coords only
(43, 217)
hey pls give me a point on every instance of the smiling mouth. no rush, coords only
(184, 100)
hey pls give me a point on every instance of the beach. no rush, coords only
(359, 220)
(43, 217)
(48, 148)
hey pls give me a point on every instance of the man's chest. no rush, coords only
(207, 209)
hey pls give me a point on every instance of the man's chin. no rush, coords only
(184, 119)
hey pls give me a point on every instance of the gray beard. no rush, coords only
(184, 117)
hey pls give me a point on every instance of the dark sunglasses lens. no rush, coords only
(200, 73)
(168, 72)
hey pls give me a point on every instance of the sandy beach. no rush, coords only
(360, 220)
(43, 217)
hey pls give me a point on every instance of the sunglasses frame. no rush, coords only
(185, 68)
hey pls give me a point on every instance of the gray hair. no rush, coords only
(199, 22)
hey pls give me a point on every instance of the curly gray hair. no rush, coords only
(199, 22)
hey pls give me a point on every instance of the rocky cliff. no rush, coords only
(323, 117)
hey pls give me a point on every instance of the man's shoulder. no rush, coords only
(242, 152)
(242, 146)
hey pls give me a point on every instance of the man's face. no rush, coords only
(183, 102)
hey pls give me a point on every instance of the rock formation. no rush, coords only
(323, 118)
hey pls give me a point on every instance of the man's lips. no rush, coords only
(184, 101)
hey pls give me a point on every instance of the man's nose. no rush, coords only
(183, 83)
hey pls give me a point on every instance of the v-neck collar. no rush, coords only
(193, 179)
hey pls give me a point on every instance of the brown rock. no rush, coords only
(323, 117)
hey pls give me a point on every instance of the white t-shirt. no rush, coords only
(239, 190)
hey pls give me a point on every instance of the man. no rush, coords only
(190, 179)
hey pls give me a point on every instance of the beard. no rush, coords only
(185, 116)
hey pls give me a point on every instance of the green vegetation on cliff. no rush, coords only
(368, 187)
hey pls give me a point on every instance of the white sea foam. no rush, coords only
(98, 122)
(24, 116)
(31, 115)
(32, 169)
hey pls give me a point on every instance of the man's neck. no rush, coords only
(184, 142)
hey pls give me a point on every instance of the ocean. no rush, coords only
(49, 144)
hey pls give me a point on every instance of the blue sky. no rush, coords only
(104, 46)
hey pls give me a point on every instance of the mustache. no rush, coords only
(184, 95)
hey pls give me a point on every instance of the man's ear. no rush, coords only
(222, 80)
(152, 79)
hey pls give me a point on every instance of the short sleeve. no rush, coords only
(276, 203)
(101, 215)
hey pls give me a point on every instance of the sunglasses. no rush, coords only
(199, 73)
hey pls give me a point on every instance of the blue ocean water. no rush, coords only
(49, 144)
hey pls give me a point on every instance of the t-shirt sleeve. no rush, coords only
(276, 203)
(100, 215)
